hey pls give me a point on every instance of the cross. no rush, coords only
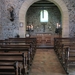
(43, 27)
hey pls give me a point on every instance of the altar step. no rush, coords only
(45, 47)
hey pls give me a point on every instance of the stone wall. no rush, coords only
(10, 29)
(71, 8)
(1, 3)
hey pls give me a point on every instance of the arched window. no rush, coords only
(44, 16)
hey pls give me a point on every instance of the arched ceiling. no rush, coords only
(43, 4)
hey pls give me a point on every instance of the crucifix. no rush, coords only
(43, 27)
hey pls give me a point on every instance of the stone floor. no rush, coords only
(46, 63)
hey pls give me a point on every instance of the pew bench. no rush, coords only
(29, 57)
(19, 48)
(11, 58)
(9, 68)
(69, 58)
(18, 44)
(14, 45)
(27, 40)
(60, 45)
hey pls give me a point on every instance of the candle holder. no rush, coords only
(58, 30)
(29, 28)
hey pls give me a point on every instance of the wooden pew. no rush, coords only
(9, 68)
(69, 58)
(8, 46)
(32, 41)
(10, 58)
(21, 41)
(60, 45)
(18, 41)
(16, 46)
(20, 50)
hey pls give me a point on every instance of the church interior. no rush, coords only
(37, 37)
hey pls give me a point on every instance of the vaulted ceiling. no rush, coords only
(43, 3)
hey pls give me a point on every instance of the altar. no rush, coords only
(45, 39)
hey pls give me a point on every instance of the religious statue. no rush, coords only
(11, 11)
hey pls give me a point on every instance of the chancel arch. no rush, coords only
(59, 3)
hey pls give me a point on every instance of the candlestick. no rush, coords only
(57, 25)
(31, 27)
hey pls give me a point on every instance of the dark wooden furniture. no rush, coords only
(12, 47)
(7, 68)
(65, 50)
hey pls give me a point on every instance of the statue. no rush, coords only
(11, 11)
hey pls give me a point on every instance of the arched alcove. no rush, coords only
(59, 3)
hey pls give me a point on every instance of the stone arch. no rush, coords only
(59, 3)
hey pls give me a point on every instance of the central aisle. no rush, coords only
(46, 63)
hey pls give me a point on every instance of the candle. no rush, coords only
(57, 25)
(31, 27)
